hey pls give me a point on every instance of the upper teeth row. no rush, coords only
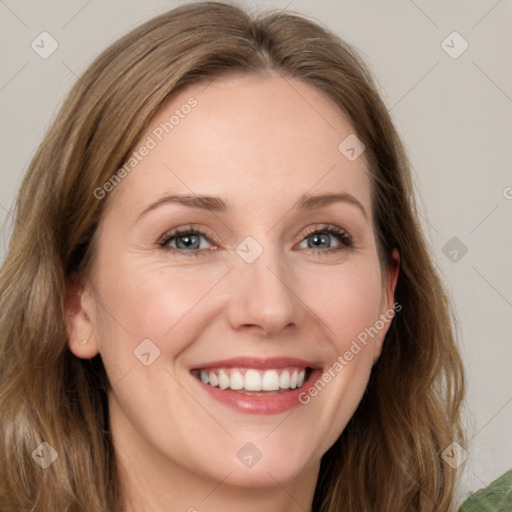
(254, 380)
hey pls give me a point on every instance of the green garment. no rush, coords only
(495, 498)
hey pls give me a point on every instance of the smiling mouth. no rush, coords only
(252, 381)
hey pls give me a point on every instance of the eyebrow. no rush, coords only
(216, 204)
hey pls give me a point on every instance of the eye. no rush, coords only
(320, 238)
(187, 240)
(184, 240)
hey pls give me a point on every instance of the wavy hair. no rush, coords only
(389, 457)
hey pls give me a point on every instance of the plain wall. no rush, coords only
(454, 114)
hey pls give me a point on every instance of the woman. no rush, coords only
(217, 295)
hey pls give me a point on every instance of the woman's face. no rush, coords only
(274, 286)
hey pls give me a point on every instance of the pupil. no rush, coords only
(321, 238)
(189, 240)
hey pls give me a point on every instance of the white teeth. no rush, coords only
(293, 379)
(284, 380)
(214, 380)
(270, 381)
(251, 379)
(300, 380)
(223, 380)
(236, 381)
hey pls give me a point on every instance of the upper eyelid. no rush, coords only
(181, 231)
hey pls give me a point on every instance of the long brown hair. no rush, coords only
(389, 456)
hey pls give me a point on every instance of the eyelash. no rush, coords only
(345, 239)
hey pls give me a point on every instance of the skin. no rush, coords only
(259, 144)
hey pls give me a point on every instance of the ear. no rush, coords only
(79, 326)
(387, 311)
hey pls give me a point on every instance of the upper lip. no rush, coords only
(258, 363)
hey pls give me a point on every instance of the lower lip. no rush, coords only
(260, 404)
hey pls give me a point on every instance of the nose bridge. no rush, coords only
(262, 286)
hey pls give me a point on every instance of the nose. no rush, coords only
(262, 294)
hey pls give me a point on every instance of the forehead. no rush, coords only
(251, 139)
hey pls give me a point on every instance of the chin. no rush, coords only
(264, 462)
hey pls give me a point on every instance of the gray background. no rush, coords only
(455, 115)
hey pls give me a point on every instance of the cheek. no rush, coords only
(139, 301)
(352, 314)
(346, 298)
